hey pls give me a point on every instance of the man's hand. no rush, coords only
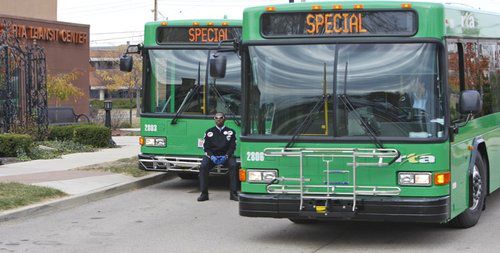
(213, 158)
(218, 160)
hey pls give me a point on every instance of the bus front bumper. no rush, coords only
(368, 208)
(184, 164)
(169, 163)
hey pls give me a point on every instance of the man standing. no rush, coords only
(219, 146)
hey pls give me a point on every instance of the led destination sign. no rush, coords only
(200, 35)
(339, 23)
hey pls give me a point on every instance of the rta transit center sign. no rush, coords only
(47, 33)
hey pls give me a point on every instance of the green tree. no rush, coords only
(115, 80)
(61, 88)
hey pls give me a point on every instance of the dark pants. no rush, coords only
(207, 165)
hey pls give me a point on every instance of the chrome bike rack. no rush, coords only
(380, 157)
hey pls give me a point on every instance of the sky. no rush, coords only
(114, 22)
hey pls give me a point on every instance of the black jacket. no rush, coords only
(220, 142)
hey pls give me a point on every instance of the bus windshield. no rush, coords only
(174, 73)
(395, 89)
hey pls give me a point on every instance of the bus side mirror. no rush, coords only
(126, 63)
(470, 102)
(218, 66)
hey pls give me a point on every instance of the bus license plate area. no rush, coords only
(328, 208)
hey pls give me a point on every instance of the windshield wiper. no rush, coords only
(348, 105)
(188, 97)
(368, 129)
(307, 121)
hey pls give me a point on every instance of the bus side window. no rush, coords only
(479, 61)
(495, 75)
(454, 82)
(486, 75)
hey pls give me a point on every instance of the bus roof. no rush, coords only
(151, 27)
(435, 20)
(189, 22)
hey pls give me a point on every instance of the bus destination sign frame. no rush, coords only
(196, 34)
(339, 23)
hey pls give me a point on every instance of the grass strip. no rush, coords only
(14, 195)
(127, 166)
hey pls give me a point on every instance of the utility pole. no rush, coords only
(155, 10)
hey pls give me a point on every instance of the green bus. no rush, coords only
(375, 110)
(179, 98)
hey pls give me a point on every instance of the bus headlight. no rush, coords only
(414, 178)
(155, 141)
(261, 176)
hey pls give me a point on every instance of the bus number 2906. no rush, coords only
(255, 156)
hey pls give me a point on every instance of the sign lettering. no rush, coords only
(207, 34)
(47, 34)
(415, 158)
(198, 35)
(468, 20)
(330, 23)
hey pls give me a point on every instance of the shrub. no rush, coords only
(97, 104)
(124, 103)
(11, 144)
(92, 135)
(118, 103)
(52, 149)
(62, 133)
(66, 147)
(37, 153)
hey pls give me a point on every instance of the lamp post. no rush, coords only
(108, 105)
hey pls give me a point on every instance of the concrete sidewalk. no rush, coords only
(81, 186)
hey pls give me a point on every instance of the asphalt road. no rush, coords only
(166, 218)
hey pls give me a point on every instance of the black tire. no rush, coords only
(478, 185)
(302, 221)
(187, 175)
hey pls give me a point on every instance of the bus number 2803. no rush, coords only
(150, 128)
(255, 156)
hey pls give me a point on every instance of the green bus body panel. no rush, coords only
(435, 19)
(367, 176)
(182, 138)
(484, 24)
(150, 27)
(487, 128)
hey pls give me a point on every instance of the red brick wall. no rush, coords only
(61, 57)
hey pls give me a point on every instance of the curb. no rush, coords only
(81, 199)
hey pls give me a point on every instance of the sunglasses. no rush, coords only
(218, 117)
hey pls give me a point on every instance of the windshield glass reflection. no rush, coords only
(176, 72)
(395, 88)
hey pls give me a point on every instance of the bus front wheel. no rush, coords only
(477, 195)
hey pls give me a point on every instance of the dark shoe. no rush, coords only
(203, 197)
(233, 196)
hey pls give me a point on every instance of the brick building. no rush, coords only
(66, 45)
